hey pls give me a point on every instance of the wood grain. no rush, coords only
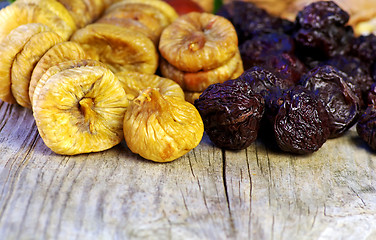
(256, 193)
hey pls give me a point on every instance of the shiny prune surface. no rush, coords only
(250, 20)
(299, 120)
(322, 14)
(321, 30)
(262, 81)
(364, 47)
(366, 126)
(231, 113)
(371, 96)
(341, 103)
(357, 70)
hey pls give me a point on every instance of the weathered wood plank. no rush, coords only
(256, 193)
(327, 195)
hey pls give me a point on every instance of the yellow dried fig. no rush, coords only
(199, 81)
(161, 128)
(79, 11)
(134, 82)
(132, 25)
(61, 52)
(80, 109)
(11, 45)
(191, 96)
(148, 16)
(25, 61)
(162, 6)
(119, 48)
(48, 12)
(198, 42)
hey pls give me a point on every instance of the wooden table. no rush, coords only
(256, 193)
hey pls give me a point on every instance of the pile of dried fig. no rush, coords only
(199, 49)
(93, 87)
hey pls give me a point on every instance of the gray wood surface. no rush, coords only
(256, 193)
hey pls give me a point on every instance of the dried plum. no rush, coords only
(231, 113)
(371, 96)
(299, 120)
(321, 15)
(366, 126)
(249, 20)
(340, 101)
(364, 47)
(321, 31)
(262, 81)
(358, 72)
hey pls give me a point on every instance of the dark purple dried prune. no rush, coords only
(366, 126)
(340, 101)
(321, 31)
(231, 113)
(299, 120)
(261, 80)
(358, 72)
(364, 47)
(371, 97)
(249, 20)
(322, 14)
(324, 43)
(266, 44)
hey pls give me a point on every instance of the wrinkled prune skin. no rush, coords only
(341, 103)
(371, 96)
(321, 31)
(364, 47)
(358, 72)
(322, 14)
(284, 65)
(299, 120)
(231, 113)
(250, 20)
(266, 44)
(366, 126)
(262, 81)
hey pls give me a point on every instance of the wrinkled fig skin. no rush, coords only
(366, 126)
(231, 113)
(339, 100)
(299, 120)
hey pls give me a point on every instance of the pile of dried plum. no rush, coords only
(305, 81)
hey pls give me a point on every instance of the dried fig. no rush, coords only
(119, 48)
(134, 82)
(161, 128)
(199, 81)
(11, 45)
(79, 109)
(48, 12)
(162, 6)
(131, 24)
(61, 52)
(198, 42)
(145, 14)
(25, 62)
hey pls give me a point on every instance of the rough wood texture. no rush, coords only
(256, 193)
